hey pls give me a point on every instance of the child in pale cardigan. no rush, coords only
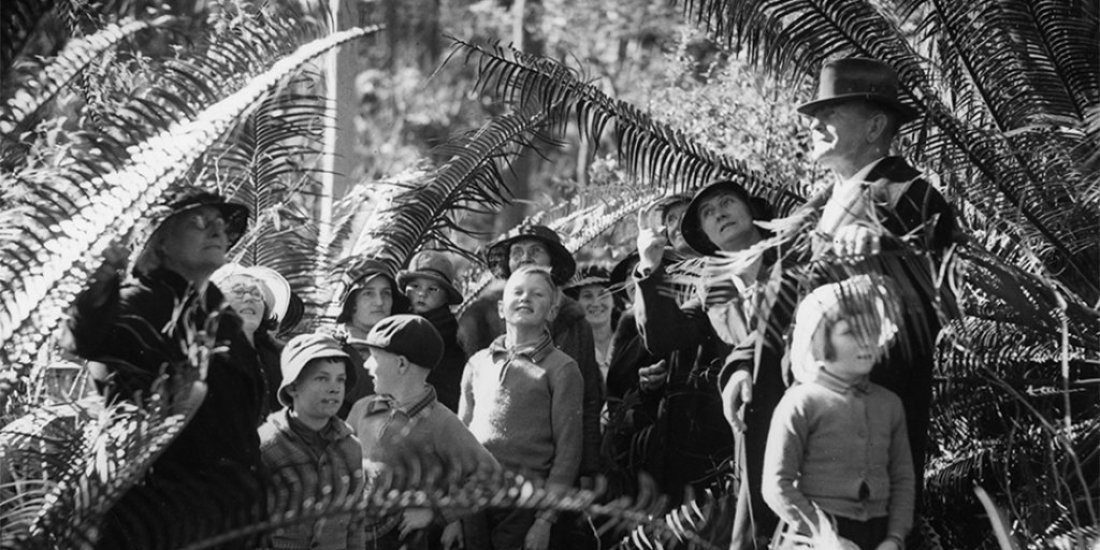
(838, 443)
(522, 399)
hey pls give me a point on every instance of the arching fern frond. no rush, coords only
(654, 152)
(52, 272)
(428, 206)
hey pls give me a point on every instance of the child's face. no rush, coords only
(425, 295)
(319, 390)
(385, 367)
(854, 354)
(527, 301)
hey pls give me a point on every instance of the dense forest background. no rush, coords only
(460, 119)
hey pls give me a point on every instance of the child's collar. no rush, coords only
(533, 352)
(840, 385)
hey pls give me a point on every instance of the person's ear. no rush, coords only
(876, 127)
(402, 364)
(500, 308)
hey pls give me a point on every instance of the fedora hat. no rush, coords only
(180, 203)
(562, 264)
(436, 267)
(854, 78)
(692, 230)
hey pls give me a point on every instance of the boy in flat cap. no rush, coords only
(404, 420)
(310, 452)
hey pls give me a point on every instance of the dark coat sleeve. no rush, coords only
(576, 340)
(664, 325)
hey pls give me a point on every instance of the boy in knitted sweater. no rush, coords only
(838, 444)
(522, 399)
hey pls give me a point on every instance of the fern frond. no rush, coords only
(654, 152)
(53, 272)
(26, 101)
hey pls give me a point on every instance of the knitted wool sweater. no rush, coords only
(524, 405)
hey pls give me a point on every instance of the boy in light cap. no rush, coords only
(310, 452)
(838, 443)
(404, 421)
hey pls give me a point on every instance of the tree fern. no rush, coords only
(56, 269)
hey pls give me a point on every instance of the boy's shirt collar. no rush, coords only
(839, 385)
(385, 403)
(335, 430)
(534, 352)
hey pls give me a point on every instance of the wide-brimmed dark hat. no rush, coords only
(592, 274)
(434, 266)
(856, 78)
(623, 269)
(562, 264)
(693, 230)
(182, 202)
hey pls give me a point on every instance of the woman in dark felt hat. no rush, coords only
(372, 295)
(592, 291)
(682, 340)
(132, 330)
(429, 286)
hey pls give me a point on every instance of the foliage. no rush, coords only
(1009, 90)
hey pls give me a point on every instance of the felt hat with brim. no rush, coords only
(183, 202)
(587, 275)
(412, 336)
(623, 269)
(853, 79)
(562, 264)
(436, 267)
(275, 287)
(302, 349)
(692, 229)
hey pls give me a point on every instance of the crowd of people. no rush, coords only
(782, 365)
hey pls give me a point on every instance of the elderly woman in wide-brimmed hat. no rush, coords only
(261, 297)
(137, 329)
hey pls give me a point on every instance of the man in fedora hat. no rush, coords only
(135, 330)
(878, 209)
